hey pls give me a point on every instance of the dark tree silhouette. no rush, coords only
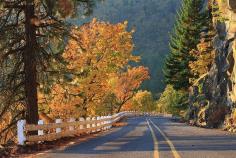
(33, 33)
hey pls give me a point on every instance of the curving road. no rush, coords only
(153, 137)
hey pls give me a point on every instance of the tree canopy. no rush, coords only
(185, 37)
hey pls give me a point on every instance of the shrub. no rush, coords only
(172, 101)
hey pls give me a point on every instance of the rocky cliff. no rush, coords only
(213, 99)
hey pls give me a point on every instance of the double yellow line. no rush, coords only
(156, 152)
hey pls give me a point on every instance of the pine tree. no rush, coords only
(204, 54)
(185, 36)
(32, 35)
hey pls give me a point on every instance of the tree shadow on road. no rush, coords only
(137, 137)
(133, 137)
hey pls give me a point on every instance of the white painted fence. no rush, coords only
(59, 129)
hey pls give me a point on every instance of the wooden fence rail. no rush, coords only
(59, 129)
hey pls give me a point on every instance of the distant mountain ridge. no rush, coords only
(153, 20)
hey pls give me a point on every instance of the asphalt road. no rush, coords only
(153, 137)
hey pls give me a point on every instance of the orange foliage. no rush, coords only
(128, 82)
(128, 106)
(100, 45)
(95, 52)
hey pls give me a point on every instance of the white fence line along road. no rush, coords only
(152, 137)
(59, 129)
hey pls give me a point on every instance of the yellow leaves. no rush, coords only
(62, 102)
(204, 55)
(130, 81)
(100, 45)
(141, 94)
(6, 119)
(98, 53)
(100, 37)
(141, 101)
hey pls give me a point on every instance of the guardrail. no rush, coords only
(59, 129)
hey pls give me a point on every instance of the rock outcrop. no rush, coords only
(228, 10)
(214, 104)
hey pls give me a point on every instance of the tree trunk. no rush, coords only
(30, 69)
(84, 112)
(123, 102)
(119, 107)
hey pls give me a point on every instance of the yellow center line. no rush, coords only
(172, 147)
(156, 153)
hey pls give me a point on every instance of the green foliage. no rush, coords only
(184, 38)
(204, 57)
(148, 104)
(152, 21)
(108, 106)
(172, 101)
(204, 54)
(143, 101)
(32, 34)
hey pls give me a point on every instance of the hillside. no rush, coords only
(152, 20)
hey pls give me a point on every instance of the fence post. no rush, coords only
(98, 124)
(102, 123)
(58, 130)
(40, 132)
(88, 125)
(107, 122)
(110, 121)
(94, 124)
(81, 119)
(20, 132)
(71, 128)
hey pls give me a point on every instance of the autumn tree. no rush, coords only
(95, 52)
(142, 101)
(108, 106)
(172, 101)
(146, 101)
(127, 84)
(30, 31)
(59, 104)
(204, 54)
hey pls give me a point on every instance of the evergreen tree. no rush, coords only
(185, 37)
(204, 55)
(32, 33)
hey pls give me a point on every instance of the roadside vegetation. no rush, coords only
(199, 69)
(178, 69)
(53, 69)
